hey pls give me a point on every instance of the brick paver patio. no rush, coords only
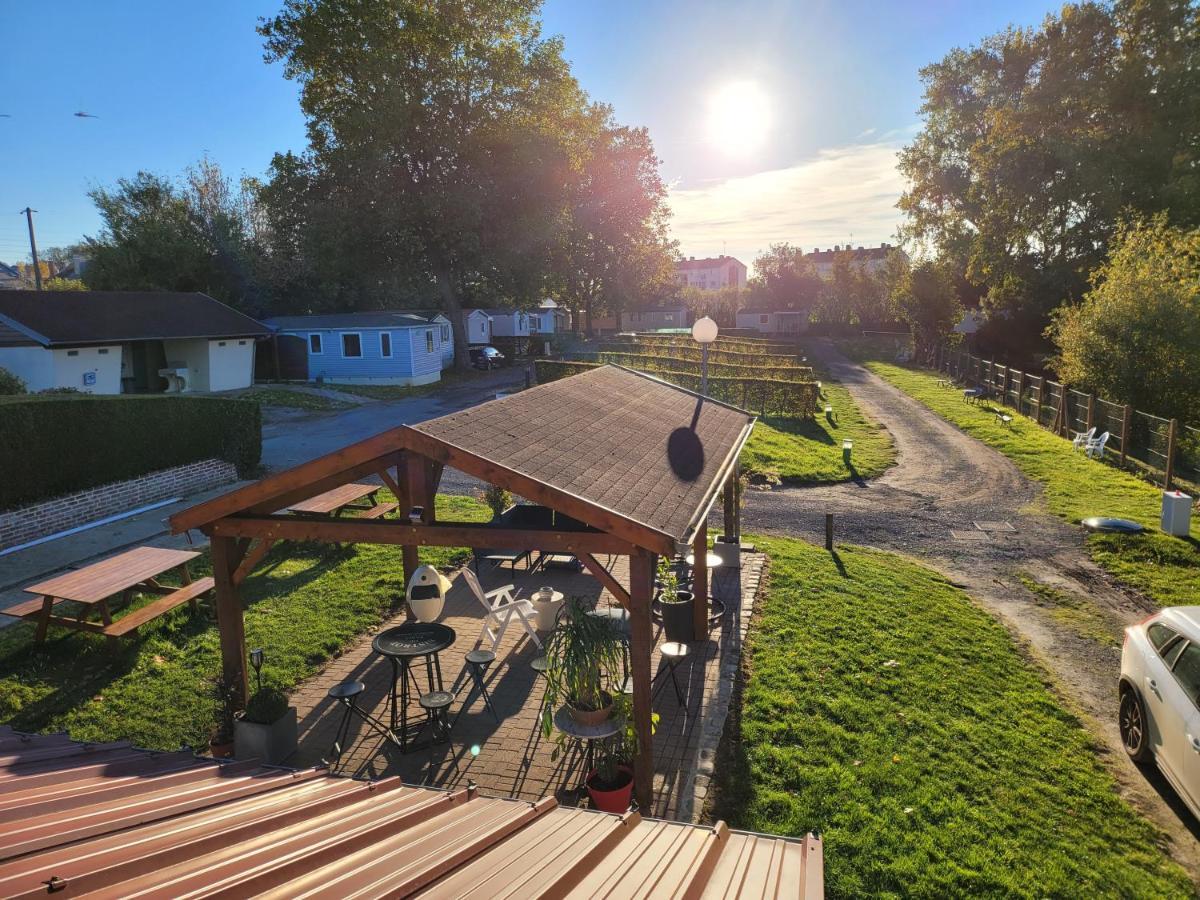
(512, 758)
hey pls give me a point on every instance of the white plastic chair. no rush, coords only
(1083, 438)
(501, 606)
(1095, 447)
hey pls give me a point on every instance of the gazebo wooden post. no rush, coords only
(700, 583)
(641, 645)
(413, 481)
(230, 624)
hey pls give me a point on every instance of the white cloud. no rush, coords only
(822, 201)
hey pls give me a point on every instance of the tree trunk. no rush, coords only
(452, 307)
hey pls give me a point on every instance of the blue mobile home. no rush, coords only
(369, 347)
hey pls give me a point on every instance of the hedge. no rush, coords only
(739, 344)
(766, 396)
(53, 445)
(694, 353)
(692, 366)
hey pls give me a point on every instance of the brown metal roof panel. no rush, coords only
(655, 860)
(755, 866)
(37, 753)
(34, 791)
(109, 859)
(551, 853)
(63, 769)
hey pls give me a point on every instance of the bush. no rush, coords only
(10, 384)
(715, 367)
(766, 396)
(266, 706)
(52, 445)
(694, 354)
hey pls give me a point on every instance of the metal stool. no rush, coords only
(674, 653)
(346, 693)
(477, 666)
(436, 704)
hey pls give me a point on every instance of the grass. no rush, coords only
(450, 378)
(1164, 568)
(304, 604)
(293, 399)
(809, 451)
(890, 713)
(1075, 613)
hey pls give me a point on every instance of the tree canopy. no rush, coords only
(1037, 141)
(1135, 338)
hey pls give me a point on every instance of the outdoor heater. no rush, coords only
(426, 594)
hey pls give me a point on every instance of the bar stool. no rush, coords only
(674, 653)
(346, 693)
(477, 666)
(436, 704)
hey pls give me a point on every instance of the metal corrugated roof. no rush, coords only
(108, 820)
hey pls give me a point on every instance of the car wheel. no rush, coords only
(1131, 720)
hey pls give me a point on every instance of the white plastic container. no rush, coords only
(1176, 513)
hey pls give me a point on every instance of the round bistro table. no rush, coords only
(400, 646)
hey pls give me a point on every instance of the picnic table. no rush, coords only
(342, 499)
(91, 587)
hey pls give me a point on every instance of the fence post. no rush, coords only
(1174, 427)
(1126, 424)
(1041, 397)
(1091, 411)
(1004, 386)
(1021, 392)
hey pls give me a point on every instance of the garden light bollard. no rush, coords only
(704, 332)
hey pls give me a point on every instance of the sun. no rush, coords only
(739, 117)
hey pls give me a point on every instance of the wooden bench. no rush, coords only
(186, 594)
(378, 511)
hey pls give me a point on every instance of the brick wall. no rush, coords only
(28, 523)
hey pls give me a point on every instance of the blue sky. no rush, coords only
(172, 82)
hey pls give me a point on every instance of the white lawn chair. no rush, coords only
(1095, 447)
(501, 606)
(1082, 438)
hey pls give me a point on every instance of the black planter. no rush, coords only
(677, 617)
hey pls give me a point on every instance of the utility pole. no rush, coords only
(37, 269)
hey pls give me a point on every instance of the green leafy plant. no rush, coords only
(266, 706)
(226, 696)
(10, 383)
(496, 498)
(622, 748)
(668, 582)
(584, 652)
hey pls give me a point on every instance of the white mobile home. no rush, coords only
(509, 322)
(766, 321)
(478, 325)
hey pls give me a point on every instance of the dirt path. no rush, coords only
(950, 501)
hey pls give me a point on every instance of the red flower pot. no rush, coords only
(613, 800)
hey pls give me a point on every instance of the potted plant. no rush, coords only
(674, 604)
(610, 784)
(267, 729)
(582, 653)
(220, 744)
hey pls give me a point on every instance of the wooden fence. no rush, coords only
(1165, 446)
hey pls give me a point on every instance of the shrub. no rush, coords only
(266, 706)
(10, 384)
(788, 372)
(52, 445)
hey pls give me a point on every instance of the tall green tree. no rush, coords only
(924, 297)
(1135, 338)
(1036, 141)
(785, 279)
(452, 127)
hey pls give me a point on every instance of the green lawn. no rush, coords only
(809, 451)
(886, 710)
(450, 378)
(1166, 569)
(304, 603)
(293, 399)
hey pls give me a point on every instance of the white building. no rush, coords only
(780, 322)
(711, 273)
(113, 342)
(478, 325)
(509, 322)
(869, 259)
(549, 318)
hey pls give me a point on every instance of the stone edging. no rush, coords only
(716, 710)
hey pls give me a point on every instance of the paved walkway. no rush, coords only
(511, 757)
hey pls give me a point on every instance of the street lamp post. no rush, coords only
(704, 332)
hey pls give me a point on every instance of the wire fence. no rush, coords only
(1166, 447)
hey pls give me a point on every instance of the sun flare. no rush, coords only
(739, 117)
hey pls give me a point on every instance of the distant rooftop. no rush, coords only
(399, 318)
(860, 253)
(708, 262)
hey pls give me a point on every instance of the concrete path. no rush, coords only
(964, 509)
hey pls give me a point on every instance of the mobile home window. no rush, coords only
(351, 345)
(763, 320)
(429, 341)
(385, 344)
(314, 344)
(445, 334)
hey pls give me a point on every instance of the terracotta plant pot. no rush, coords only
(221, 750)
(612, 800)
(594, 716)
(677, 617)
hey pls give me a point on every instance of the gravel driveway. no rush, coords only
(950, 501)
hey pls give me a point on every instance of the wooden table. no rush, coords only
(338, 500)
(93, 586)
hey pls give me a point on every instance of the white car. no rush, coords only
(1160, 697)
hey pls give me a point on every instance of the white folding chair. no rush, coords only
(1095, 447)
(500, 606)
(1082, 438)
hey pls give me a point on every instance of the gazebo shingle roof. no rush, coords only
(640, 447)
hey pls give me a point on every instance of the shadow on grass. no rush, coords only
(809, 429)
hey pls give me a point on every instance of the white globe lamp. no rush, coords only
(704, 332)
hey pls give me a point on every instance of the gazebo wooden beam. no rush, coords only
(605, 577)
(700, 584)
(226, 557)
(449, 534)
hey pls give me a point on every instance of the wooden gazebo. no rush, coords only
(637, 461)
